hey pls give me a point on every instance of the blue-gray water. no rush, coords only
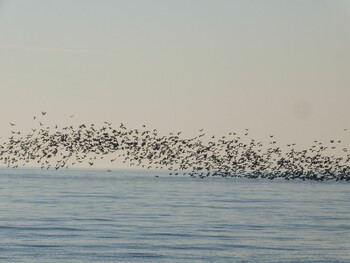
(130, 216)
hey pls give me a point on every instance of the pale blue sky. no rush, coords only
(277, 67)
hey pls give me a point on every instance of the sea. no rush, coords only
(96, 215)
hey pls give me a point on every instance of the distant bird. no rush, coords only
(12, 124)
(43, 113)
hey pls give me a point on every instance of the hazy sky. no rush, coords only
(279, 67)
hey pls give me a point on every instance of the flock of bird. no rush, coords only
(233, 155)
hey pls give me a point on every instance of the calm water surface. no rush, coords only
(131, 216)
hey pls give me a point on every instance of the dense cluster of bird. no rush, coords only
(232, 155)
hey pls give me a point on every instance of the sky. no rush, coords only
(275, 67)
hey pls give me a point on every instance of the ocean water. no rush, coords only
(131, 216)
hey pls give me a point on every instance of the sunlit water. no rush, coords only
(131, 216)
